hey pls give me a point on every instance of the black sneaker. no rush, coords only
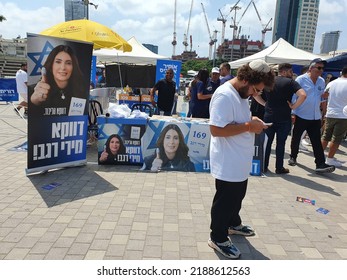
(282, 171)
(292, 161)
(227, 248)
(324, 168)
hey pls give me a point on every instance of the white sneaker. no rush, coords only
(340, 161)
(302, 147)
(334, 162)
(306, 141)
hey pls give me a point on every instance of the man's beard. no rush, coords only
(243, 92)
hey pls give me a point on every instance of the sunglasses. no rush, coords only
(320, 68)
(258, 91)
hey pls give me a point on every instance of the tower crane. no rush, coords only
(185, 39)
(212, 40)
(265, 26)
(174, 41)
(223, 20)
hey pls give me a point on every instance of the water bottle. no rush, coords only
(184, 109)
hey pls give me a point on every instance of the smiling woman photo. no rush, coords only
(61, 80)
(171, 152)
(114, 147)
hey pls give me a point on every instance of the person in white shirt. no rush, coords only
(22, 88)
(336, 121)
(231, 151)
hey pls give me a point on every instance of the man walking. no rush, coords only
(308, 116)
(231, 151)
(22, 88)
(166, 89)
(278, 108)
(336, 121)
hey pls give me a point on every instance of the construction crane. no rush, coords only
(212, 40)
(265, 26)
(185, 39)
(174, 41)
(223, 20)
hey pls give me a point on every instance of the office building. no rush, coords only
(330, 41)
(296, 22)
(76, 9)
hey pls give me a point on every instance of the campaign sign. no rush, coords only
(163, 65)
(58, 91)
(176, 146)
(8, 90)
(57, 141)
(259, 153)
(119, 140)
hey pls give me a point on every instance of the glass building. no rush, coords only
(330, 41)
(296, 22)
(76, 9)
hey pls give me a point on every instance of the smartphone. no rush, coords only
(268, 124)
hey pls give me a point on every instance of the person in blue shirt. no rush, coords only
(308, 116)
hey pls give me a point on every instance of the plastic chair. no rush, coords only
(148, 109)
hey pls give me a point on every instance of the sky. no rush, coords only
(152, 21)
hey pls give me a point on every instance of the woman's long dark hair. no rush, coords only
(76, 82)
(203, 76)
(182, 150)
(122, 149)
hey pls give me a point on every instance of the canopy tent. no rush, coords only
(139, 55)
(336, 63)
(279, 52)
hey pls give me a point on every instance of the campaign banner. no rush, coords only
(119, 140)
(8, 90)
(260, 141)
(58, 93)
(163, 65)
(176, 146)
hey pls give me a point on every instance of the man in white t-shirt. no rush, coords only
(22, 88)
(336, 121)
(231, 151)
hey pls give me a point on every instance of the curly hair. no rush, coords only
(245, 73)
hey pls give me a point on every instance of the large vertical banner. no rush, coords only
(163, 65)
(58, 92)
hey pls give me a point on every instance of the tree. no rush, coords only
(2, 18)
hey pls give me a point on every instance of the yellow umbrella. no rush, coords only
(89, 31)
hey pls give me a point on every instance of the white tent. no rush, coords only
(139, 55)
(279, 52)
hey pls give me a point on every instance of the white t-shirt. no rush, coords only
(21, 79)
(337, 98)
(230, 157)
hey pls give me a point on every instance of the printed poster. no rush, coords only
(176, 146)
(58, 93)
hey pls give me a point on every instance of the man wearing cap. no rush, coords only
(231, 151)
(308, 116)
(22, 88)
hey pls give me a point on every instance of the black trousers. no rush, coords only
(313, 130)
(226, 206)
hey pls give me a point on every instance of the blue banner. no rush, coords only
(163, 65)
(8, 90)
(58, 101)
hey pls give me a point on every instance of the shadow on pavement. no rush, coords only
(70, 184)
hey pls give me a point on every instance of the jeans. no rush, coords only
(313, 130)
(281, 129)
